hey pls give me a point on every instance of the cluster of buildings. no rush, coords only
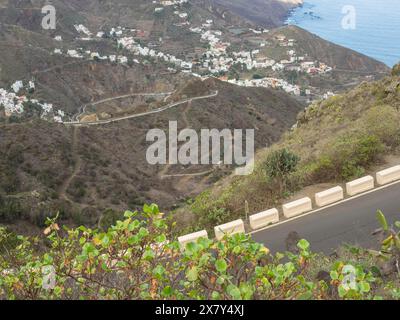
(284, 42)
(312, 68)
(137, 49)
(218, 60)
(168, 3)
(11, 102)
(94, 55)
(16, 104)
(215, 61)
(269, 83)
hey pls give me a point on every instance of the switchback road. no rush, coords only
(139, 115)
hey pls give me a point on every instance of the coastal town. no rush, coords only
(248, 67)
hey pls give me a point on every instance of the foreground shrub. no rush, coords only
(134, 260)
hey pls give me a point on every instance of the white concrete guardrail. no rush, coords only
(230, 228)
(330, 196)
(193, 237)
(360, 185)
(296, 208)
(388, 175)
(264, 219)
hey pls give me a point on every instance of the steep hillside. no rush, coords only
(96, 65)
(85, 171)
(268, 13)
(68, 82)
(336, 56)
(336, 140)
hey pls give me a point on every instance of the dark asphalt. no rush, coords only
(351, 222)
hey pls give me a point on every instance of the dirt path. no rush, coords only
(144, 114)
(182, 175)
(77, 167)
(184, 114)
(187, 176)
(82, 109)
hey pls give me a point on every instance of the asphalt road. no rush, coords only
(350, 222)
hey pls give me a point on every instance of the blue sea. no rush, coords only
(371, 27)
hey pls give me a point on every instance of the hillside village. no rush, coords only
(218, 59)
(18, 104)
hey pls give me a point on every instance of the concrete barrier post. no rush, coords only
(263, 219)
(296, 208)
(388, 175)
(193, 237)
(230, 228)
(330, 196)
(360, 185)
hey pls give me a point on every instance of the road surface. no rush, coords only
(351, 222)
(83, 108)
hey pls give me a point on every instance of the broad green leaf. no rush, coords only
(334, 275)
(149, 255)
(221, 266)
(303, 244)
(365, 287)
(167, 291)
(215, 295)
(234, 292)
(161, 238)
(192, 274)
(128, 214)
(382, 220)
(159, 271)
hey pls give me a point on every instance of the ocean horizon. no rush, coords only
(377, 25)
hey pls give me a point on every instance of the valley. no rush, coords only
(77, 101)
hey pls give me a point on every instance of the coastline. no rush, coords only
(380, 40)
(291, 10)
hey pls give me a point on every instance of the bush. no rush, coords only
(257, 76)
(350, 155)
(10, 209)
(279, 165)
(383, 122)
(134, 260)
(396, 70)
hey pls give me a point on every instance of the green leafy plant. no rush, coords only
(279, 164)
(133, 259)
(390, 249)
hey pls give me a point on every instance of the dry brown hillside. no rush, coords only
(85, 171)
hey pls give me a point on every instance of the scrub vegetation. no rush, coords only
(334, 141)
(134, 260)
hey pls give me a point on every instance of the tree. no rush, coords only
(280, 164)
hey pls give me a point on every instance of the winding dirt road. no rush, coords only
(139, 115)
(77, 167)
